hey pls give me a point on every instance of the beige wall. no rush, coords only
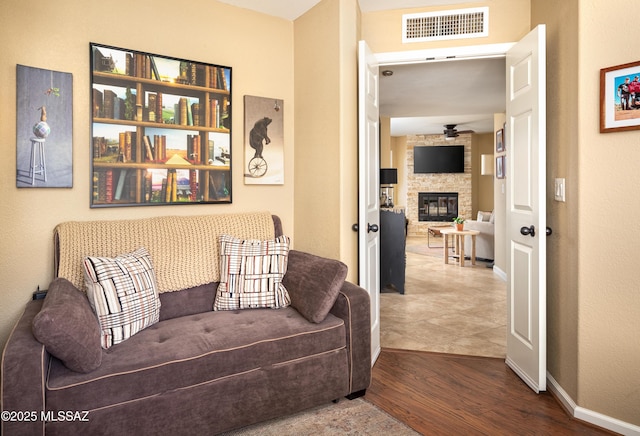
(399, 149)
(563, 157)
(326, 195)
(259, 49)
(508, 21)
(385, 142)
(593, 287)
(500, 209)
(481, 186)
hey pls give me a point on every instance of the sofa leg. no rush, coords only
(358, 394)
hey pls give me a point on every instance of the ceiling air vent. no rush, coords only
(438, 26)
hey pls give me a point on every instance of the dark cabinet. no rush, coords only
(392, 249)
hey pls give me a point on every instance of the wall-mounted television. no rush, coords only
(438, 159)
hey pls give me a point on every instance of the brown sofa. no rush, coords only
(195, 371)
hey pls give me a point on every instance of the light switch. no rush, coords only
(559, 190)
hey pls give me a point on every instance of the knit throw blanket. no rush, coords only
(184, 250)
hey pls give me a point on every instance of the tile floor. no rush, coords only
(445, 308)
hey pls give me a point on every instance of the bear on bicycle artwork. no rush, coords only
(263, 140)
(258, 138)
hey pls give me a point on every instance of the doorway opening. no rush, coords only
(445, 308)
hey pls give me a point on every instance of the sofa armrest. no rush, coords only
(24, 365)
(353, 306)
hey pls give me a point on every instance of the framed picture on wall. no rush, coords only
(44, 137)
(620, 98)
(500, 168)
(500, 141)
(264, 141)
(161, 130)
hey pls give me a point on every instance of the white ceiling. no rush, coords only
(421, 98)
(292, 9)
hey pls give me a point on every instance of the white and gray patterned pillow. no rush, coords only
(251, 273)
(123, 293)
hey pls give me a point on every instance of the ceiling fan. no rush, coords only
(451, 133)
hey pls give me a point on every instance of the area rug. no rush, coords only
(347, 417)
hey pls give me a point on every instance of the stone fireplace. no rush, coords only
(437, 206)
(459, 184)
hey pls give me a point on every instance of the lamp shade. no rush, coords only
(486, 164)
(388, 176)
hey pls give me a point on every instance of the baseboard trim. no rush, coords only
(497, 271)
(586, 415)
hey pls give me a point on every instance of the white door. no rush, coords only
(526, 210)
(368, 187)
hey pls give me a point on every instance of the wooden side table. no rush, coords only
(434, 231)
(459, 235)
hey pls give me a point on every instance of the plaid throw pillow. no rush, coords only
(251, 274)
(123, 294)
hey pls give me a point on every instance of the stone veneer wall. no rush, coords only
(416, 183)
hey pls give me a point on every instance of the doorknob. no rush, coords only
(549, 231)
(355, 227)
(528, 231)
(372, 228)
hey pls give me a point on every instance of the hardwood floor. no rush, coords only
(446, 394)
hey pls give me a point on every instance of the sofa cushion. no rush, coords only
(68, 328)
(313, 283)
(484, 216)
(187, 352)
(123, 293)
(188, 301)
(251, 273)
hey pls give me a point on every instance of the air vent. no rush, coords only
(438, 26)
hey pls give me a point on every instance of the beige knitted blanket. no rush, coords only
(183, 249)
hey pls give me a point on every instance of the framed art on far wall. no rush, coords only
(500, 167)
(161, 130)
(620, 98)
(500, 141)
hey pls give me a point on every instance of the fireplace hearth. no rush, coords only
(437, 206)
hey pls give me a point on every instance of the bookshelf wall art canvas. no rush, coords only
(264, 141)
(44, 128)
(161, 129)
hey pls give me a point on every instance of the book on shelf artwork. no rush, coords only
(161, 131)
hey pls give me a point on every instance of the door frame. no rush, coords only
(449, 54)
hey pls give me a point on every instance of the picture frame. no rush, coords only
(263, 141)
(161, 129)
(620, 98)
(44, 128)
(500, 141)
(500, 167)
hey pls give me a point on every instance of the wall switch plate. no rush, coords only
(559, 190)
